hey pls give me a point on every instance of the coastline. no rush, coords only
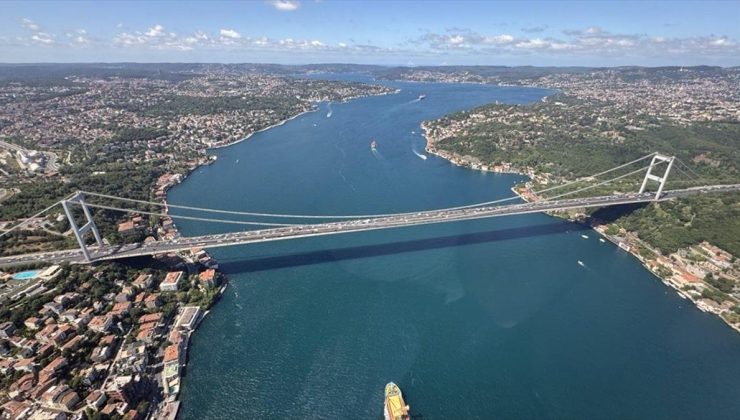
(314, 108)
(248, 136)
(170, 406)
(461, 161)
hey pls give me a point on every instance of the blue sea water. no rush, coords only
(479, 319)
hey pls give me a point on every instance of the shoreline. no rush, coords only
(248, 136)
(308, 111)
(174, 400)
(456, 160)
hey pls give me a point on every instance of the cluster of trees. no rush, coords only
(128, 134)
(199, 105)
(576, 146)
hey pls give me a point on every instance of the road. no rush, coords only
(358, 225)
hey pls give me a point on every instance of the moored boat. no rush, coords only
(395, 407)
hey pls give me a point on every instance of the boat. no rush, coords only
(422, 97)
(373, 145)
(601, 240)
(395, 407)
(581, 263)
(421, 156)
(584, 236)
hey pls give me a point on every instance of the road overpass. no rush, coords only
(111, 252)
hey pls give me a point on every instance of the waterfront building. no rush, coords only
(188, 319)
(171, 282)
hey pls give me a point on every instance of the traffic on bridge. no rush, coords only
(109, 252)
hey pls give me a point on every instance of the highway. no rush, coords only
(355, 225)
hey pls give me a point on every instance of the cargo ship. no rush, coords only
(395, 407)
(373, 145)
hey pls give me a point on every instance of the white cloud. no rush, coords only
(456, 39)
(42, 38)
(156, 30)
(499, 39)
(78, 38)
(285, 5)
(342, 45)
(230, 33)
(29, 24)
(535, 43)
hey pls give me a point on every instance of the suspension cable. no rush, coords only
(601, 183)
(356, 216)
(28, 219)
(201, 219)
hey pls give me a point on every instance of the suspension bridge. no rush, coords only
(292, 226)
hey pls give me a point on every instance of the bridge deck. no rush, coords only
(347, 226)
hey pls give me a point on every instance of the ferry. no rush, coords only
(395, 407)
(373, 145)
(422, 97)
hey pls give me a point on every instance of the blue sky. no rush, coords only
(381, 32)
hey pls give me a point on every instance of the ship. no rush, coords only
(395, 407)
(373, 145)
(422, 97)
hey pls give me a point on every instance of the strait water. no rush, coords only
(479, 319)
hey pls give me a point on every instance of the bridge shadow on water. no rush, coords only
(239, 265)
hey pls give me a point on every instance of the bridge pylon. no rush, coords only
(657, 160)
(89, 226)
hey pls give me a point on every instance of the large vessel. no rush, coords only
(373, 145)
(395, 407)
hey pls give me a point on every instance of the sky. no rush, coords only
(587, 33)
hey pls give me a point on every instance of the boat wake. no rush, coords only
(421, 156)
(582, 264)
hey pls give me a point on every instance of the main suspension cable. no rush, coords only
(174, 216)
(355, 216)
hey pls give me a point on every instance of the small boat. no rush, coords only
(601, 240)
(421, 156)
(422, 97)
(581, 263)
(395, 407)
(584, 236)
(373, 145)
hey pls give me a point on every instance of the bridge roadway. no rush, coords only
(356, 225)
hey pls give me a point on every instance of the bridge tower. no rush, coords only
(80, 232)
(657, 159)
